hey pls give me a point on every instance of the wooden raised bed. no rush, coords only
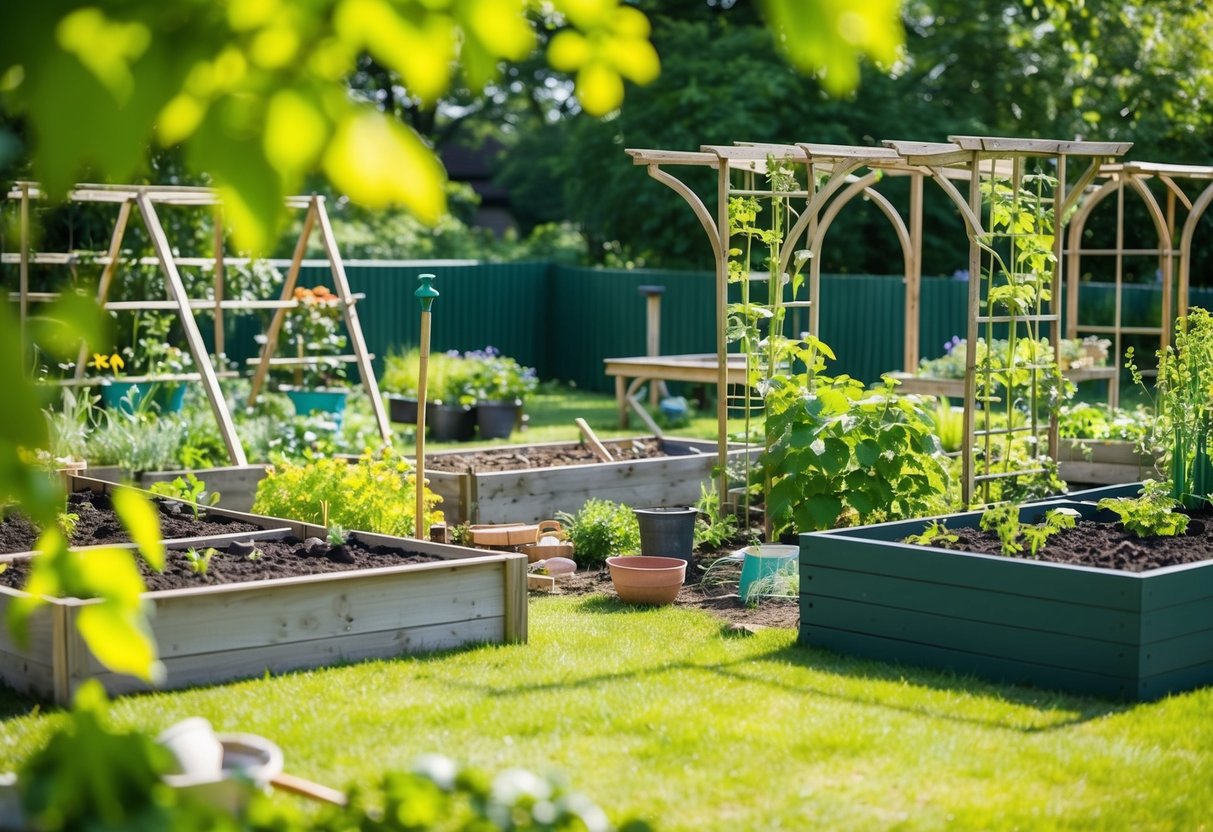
(1124, 635)
(231, 631)
(1106, 462)
(530, 495)
(236, 484)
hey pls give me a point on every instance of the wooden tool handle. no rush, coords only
(591, 439)
(297, 785)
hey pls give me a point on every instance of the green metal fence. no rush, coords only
(565, 320)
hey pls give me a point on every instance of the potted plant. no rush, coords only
(501, 384)
(450, 407)
(133, 385)
(312, 335)
(399, 384)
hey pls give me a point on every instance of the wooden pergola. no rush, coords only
(127, 198)
(834, 175)
(1185, 192)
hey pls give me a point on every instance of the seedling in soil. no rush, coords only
(199, 562)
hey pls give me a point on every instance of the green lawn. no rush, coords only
(660, 714)
(551, 413)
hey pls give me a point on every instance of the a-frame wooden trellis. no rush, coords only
(145, 199)
(1173, 242)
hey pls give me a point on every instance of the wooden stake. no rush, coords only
(425, 295)
(107, 275)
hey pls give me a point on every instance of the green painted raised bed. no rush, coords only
(1124, 635)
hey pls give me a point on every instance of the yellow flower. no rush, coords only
(107, 362)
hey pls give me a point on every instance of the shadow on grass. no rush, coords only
(610, 604)
(13, 704)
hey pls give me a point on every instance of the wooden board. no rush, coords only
(536, 494)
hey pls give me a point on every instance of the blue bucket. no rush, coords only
(318, 401)
(763, 561)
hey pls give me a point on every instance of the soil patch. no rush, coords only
(717, 594)
(97, 523)
(264, 559)
(1105, 545)
(541, 456)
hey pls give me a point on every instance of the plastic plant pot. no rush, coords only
(667, 532)
(761, 562)
(640, 579)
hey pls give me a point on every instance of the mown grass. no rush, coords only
(660, 714)
(551, 411)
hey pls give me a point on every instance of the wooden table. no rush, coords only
(955, 387)
(700, 368)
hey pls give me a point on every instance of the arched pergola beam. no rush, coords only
(1199, 206)
(863, 185)
(1077, 227)
(697, 207)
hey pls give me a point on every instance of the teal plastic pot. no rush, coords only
(128, 396)
(764, 561)
(320, 400)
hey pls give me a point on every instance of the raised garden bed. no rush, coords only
(1126, 635)
(236, 484)
(1102, 462)
(216, 632)
(528, 483)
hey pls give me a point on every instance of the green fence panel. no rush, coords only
(565, 320)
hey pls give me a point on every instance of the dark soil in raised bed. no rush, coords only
(1104, 545)
(235, 563)
(98, 524)
(542, 456)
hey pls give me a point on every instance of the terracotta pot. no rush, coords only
(641, 579)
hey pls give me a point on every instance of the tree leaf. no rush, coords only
(141, 520)
(117, 636)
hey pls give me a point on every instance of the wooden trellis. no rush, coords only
(1001, 237)
(1172, 243)
(830, 176)
(146, 198)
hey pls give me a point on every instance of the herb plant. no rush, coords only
(67, 522)
(1184, 424)
(1150, 514)
(599, 530)
(187, 489)
(374, 494)
(936, 531)
(336, 535)
(199, 562)
(713, 527)
(1004, 521)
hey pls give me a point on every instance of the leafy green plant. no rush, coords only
(315, 328)
(374, 494)
(1098, 421)
(336, 535)
(499, 378)
(1004, 521)
(1150, 514)
(601, 529)
(839, 454)
(936, 531)
(90, 776)
(1184, 424)
(187, 489)
(200, 562)
(67, 522)
(713, 527)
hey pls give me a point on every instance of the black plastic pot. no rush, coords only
(667, 532)
(496, 420)
(451, 423)
(402, 409)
